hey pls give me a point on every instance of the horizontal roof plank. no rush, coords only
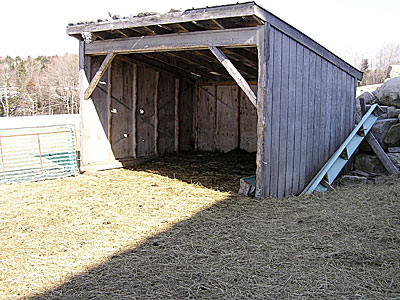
(226, 11)
(240, 37)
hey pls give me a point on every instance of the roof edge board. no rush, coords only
(306, 41)
(238, 37)
(236, 10)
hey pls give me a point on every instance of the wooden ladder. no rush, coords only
(325, 177)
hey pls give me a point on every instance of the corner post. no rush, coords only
(84, 75)
(262, 49)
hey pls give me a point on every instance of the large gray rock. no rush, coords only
(393, 112)
(367, 97)
(352, 179)
(392, 138)
(369, 163)
(395, 158)
(380, 129)
(393, 71)
(389, 92)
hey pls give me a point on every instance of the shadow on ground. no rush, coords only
(242, 248)
(214, 170)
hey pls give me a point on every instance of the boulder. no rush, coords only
(367, 97)
(392, 138)
(393, 71)
(369, 163)
(393, 112)
(395, 158)
(389, 92)
(352, 179)
(380, 129)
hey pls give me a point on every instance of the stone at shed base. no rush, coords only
(367, 97)
(352, 179)
(369, 163)
(393, 112)
(389, 92)
(392, 137)
(380, 129)
(395, 158)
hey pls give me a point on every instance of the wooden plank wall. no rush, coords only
(121, 109)
(311, 113)
(166, 113)
(136, 107)
(186, 107)
(226, 119)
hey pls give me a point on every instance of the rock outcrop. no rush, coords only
(389, 92)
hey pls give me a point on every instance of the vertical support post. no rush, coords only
(238, 119)
(2, 159)
(215, 127)
(156, 114)
(109, 103)
(83, 85)
(196, 124)
(134, 110)
(177, 115)
(262, 47)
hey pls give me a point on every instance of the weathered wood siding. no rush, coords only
(136, 107)
(310, 107)
(248, 123)
(121, 109)
(145, 117)
(166, 113)
(186, 108)
(227, 120)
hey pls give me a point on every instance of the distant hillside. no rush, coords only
(39, 86)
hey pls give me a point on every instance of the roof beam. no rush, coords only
(235, 74)
(240, 37)
(106, 62)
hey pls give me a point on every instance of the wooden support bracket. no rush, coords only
(107, 61)
(376, 147)
(234, 73)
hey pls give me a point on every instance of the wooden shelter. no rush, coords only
(216, 79)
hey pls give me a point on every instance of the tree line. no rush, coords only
(39, 86)
(375, 68)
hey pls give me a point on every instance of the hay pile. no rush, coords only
(126, 234)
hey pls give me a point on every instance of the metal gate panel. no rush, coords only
(37, 153)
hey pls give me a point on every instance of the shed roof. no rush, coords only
(224, 17)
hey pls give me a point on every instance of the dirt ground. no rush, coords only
(176, 229)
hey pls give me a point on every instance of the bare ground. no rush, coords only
(176, 229)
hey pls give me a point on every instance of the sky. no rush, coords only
(346, 27)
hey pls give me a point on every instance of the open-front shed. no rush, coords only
(215, 79)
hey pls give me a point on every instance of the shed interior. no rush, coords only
(213, 79)
(158, 102)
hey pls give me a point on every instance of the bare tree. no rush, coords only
(389, 54)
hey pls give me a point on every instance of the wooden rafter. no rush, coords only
(244, 55)
(241, 66)
(235, 74)
(176, 62)
(197, 61)
(151, 63)
(107, 61)
(219, 25)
